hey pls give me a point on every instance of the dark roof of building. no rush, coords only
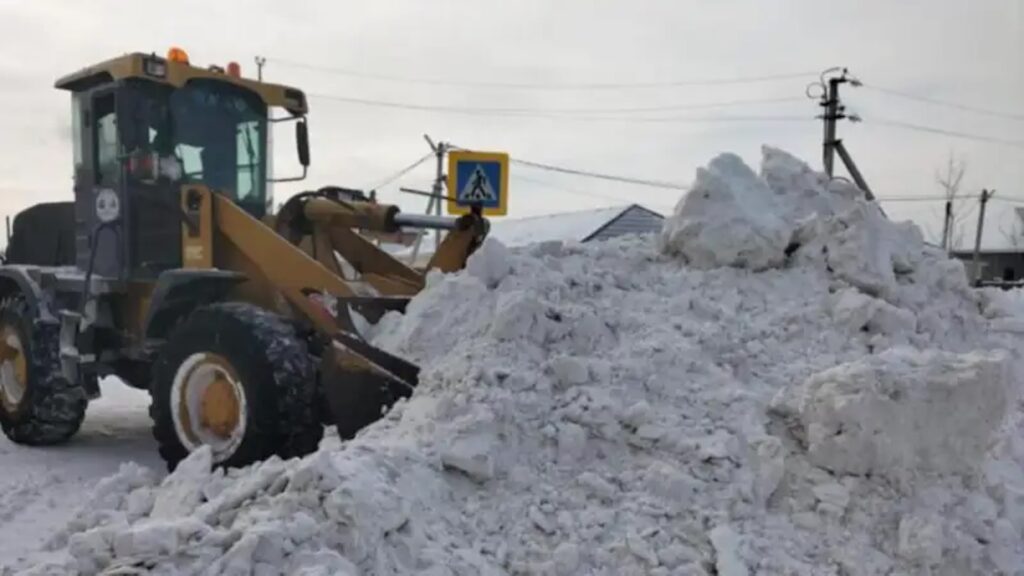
(993, 251)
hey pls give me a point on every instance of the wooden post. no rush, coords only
(985, 196)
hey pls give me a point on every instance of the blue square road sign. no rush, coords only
(478, 178)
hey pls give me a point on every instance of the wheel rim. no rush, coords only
(208, 405)
(13, 369)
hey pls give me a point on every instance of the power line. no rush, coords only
(997, 197)
(930, 198)
(915, 199)
(590, 174)
(696, 119)
(601, 176)
(576, 192)
(402, 172)
(945, 132)
(945, 103)
(414, 106)
(540, 86)
(693, 106)
(961, 218)
(569, 114)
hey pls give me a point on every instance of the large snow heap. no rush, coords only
(785, 382)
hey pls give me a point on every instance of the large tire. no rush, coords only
(38, 405)
(263, 359)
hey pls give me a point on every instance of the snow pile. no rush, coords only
(833, 401)
(733, 217)
(1006, 309)
(729, 218)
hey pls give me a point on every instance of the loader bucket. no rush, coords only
(362, 382)
(374, 308)
(359, 381)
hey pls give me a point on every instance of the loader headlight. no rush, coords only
(108, 206)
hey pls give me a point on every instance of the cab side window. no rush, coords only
(77, 124)
(108, 167)
(248, 159)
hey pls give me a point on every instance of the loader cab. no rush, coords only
(144, 127)
(206, 132)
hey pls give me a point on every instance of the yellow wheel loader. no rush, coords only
(169, 272)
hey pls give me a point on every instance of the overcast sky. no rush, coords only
(969, 52)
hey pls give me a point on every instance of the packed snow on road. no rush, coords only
(43, 487)
(782, 382)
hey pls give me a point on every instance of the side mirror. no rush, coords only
(302, 142)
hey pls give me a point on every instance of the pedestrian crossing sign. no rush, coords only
(478, 178)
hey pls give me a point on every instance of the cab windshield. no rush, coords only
(215, 130)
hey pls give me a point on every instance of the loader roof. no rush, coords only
(176, 73)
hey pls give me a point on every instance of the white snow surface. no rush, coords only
(565, 227)
(700, 404)
(902, 412)
(1006, 307)
(733, 217)
(42, 487)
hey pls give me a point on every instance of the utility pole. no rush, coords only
(946, 226)
(830, 102)
(985, 197)
(437, 191)
(260, 62)
(436, 196)
(835, 111)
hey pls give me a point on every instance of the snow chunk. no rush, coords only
(801, 191)
(769, 466)
(733, 217)
(490, 263)
(518, 316)
(832, 497)
(861, 312)
(567, 558)
(182, 491)
(728, 218)
(598, 486)
(864, 248)
(156, 537)
(903, 412)
(570, 371)
(472, 450)
(920, 539)
(572, 442)
(727, 559)
(471, 456)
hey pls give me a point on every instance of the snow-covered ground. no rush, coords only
(42, 487)
(1013, 300)
(783, 382)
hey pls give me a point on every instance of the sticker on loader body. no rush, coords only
(478, 178)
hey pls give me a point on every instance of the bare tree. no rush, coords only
(1014, 235)
(950, 180)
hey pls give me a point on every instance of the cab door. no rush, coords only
(99, 197)
(152, 199)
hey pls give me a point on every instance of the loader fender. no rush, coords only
(179, 292)
(16, 280)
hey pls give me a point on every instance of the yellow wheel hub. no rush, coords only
(219, 407)
(13, 369)
(208, 404)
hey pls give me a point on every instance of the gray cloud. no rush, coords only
(954, 49)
